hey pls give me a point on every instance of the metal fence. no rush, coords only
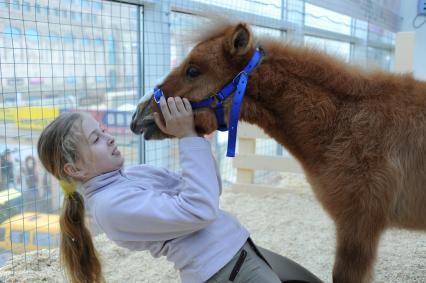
(101, 57)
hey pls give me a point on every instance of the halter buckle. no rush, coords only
(215, 100)
(159, 97)
(237, 76)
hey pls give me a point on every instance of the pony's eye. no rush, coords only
(192, 72)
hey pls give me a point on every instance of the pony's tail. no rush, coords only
(77, 252)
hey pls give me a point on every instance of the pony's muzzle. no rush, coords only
(142, 120)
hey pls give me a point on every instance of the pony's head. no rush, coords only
(212, 63)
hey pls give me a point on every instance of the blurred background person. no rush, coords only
(7, 170)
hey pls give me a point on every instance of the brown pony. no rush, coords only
(360, 137)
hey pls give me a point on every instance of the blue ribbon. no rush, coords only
(238, 84)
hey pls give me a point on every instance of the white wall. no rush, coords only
(408, 12)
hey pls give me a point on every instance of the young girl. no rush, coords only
(147, 208)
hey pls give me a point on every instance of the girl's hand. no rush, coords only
(178, 117)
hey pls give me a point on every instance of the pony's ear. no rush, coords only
(241, 40)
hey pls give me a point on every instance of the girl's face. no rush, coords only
(101, 154)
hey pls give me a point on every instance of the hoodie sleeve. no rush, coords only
(154, 215)
(178, 175)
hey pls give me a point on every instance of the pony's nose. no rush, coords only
(133, 124)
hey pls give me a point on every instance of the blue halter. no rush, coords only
(215, 102)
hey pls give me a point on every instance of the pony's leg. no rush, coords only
(357, 242)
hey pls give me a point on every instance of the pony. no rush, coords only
(359, 136)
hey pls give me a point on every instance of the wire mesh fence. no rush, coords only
(101, 57)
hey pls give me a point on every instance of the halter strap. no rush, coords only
(238, 85)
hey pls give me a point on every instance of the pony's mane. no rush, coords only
(214, 25)
(313, 64)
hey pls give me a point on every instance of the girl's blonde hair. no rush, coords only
(60, 143)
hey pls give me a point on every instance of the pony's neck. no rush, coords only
(294, 96)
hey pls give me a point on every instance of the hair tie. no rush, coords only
(68, 188)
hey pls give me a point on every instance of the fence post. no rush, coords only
(404, 52)
(247, 161)
(246, 145)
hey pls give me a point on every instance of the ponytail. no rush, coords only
(77, 251)
(58, 145)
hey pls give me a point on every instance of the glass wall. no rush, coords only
(351, 39)
(268, 8)
(336, 48)
(324, 19)
(379, 58)
(57, 57)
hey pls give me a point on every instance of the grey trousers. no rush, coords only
(245, 267)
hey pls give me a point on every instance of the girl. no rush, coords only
(147, 208)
